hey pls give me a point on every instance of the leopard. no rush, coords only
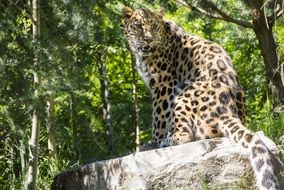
(194, 89)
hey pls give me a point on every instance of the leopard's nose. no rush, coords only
(148, 37)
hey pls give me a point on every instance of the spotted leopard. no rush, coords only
(194, 89)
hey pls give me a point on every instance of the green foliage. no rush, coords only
(272, 124)
(48, 168)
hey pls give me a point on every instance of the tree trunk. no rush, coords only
(106, 103)
(33, 143)
(268, 48)
(135, 104)
(33, 152)
(74, 124)
(22, 155)
(100, 58)
(51, 142)
(273, 69)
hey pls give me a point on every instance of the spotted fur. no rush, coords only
(194, 89)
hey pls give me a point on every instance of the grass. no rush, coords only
(272, 124)
(245, 182)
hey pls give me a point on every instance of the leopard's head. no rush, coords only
(143, 29)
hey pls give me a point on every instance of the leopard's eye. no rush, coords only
(137, 25)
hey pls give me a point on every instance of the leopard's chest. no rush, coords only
(155, 69)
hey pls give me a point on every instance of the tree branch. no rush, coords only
(218, 13)
(228, 18)
(198, 9)
(278, 12)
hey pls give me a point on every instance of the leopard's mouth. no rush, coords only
(146, 48)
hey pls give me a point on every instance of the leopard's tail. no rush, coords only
(260, 155)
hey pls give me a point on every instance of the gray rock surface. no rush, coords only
(207, 164)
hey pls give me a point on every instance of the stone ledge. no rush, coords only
(215, 163)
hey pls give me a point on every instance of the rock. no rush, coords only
(215, 163)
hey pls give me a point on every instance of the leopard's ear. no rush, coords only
(127, 12)
(161, 12)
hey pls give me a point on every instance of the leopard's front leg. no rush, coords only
(163, 98)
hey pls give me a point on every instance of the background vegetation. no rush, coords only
(79, 41)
